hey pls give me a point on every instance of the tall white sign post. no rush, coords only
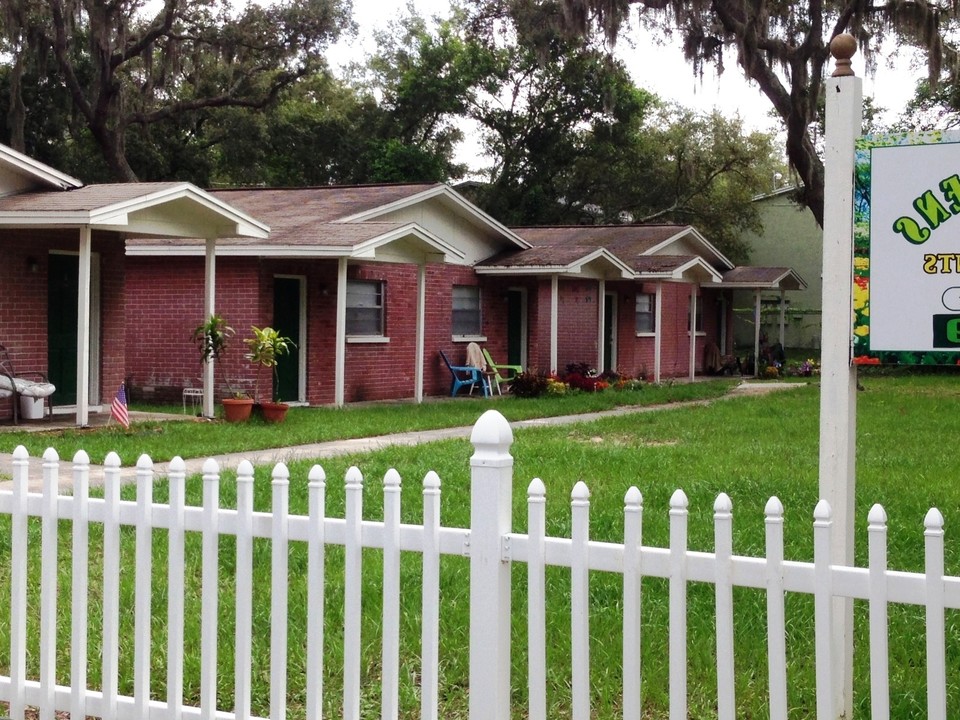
(838, 381)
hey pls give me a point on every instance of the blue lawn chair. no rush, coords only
(464, 376)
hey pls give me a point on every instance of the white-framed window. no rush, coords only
(466, 311)
(365, 308)
(646, 313)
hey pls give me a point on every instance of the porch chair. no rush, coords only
(23, 383)
(509, 373)
(464, 376)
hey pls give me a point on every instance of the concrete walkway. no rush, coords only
(319, 451)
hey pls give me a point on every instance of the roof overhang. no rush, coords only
(181, 210)
(404, 243)
(694, 270)
(19, 173)
(690, 231)
(448, 195)
(789, 279)
(599, 263)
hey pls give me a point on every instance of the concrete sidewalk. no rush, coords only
(319, 451)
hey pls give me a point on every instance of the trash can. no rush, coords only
(31, 408)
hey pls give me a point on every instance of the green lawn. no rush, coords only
(194, 438)
(750, 448)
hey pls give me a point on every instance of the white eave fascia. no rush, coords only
(449, 252)
(451, 194)
(772, 285)
(679, 272)
(364, 250)
(242, 224)
(38, 170)
(573, 268)
(258, 250)
(690, 230)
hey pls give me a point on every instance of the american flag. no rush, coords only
(119, 407)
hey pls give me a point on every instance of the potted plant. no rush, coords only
(211, 338)
(265, 348)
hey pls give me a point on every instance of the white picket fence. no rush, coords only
(491, 547)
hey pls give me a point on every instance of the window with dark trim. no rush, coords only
(466, 310)
(364, 307)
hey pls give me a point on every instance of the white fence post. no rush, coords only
(491, 486)
(838, 377)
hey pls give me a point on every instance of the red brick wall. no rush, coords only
(165, 304)
(578, 323)
(636, 356)
(167, 295)
(24, 305)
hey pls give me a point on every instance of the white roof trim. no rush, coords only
(571, 268)
(365, 250)
(449, 251)
(38, 170)
(690, 230)
(681, 272)
(772, 285)
(449, 193)
(118, 213)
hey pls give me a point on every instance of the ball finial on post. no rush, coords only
(843, 47)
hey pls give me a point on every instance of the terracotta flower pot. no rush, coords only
(274, 412)
(237, 409)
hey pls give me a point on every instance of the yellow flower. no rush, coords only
(860, 296)
(861, 330)
(861, 263)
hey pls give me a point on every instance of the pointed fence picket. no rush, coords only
(491, 546)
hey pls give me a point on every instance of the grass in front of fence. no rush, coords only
(750, 448)
(161, 440)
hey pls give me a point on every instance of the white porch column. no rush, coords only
(209, 307)
(658, 333)
(554, 319)
(421, 319)
(340, 361)
(693, 331)
(83, 328)
(756, 333)
(783, 318)
(723, 323)
(601, 325)
(838, 376)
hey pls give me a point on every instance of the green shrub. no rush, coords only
(529, 385)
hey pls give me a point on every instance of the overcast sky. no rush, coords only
(660, 69)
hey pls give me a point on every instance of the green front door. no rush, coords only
(286, 320)
(62, 287)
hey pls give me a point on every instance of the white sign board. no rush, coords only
(907, 249)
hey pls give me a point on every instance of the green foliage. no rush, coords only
(265, 348)
(529, 385)
(116, 71)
